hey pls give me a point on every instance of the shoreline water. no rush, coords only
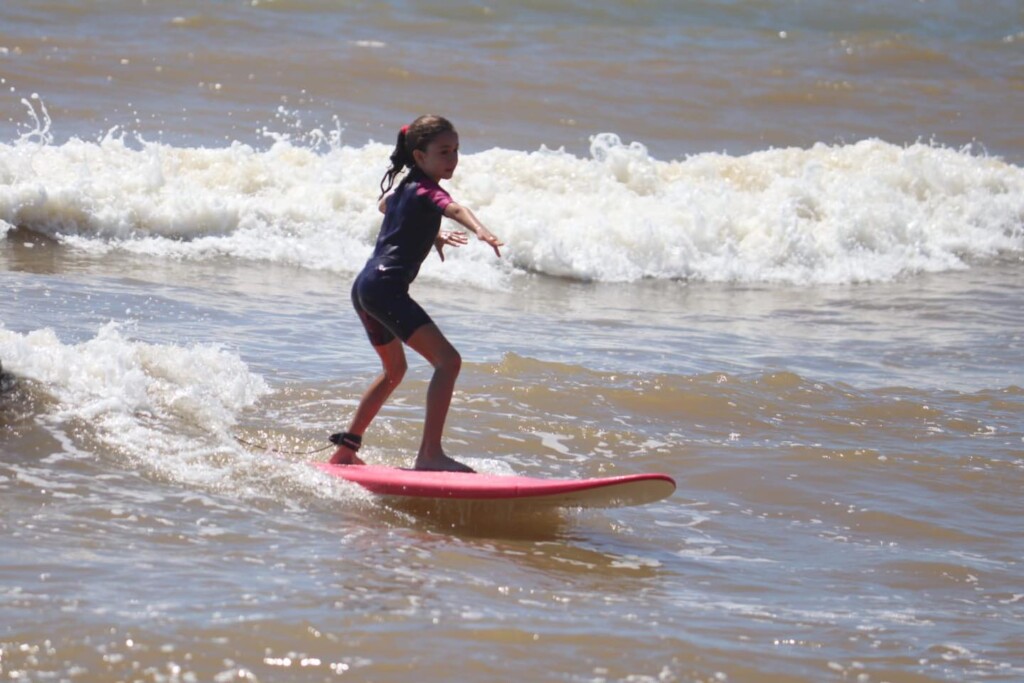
(856, 435)
(168, 299)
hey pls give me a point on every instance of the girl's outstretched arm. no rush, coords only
(468, 220)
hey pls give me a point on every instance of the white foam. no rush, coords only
(864, 212)
(169, 408)
(165, 409)
(869, 211)
(111, 376)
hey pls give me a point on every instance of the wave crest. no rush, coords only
(863, 212)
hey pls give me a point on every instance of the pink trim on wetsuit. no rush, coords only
(435, 193)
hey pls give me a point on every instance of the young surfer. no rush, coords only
(429, 148)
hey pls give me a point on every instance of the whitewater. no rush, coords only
(865, 212)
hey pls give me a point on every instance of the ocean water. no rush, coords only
(772, 249)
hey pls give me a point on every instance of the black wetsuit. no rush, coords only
(380, 293)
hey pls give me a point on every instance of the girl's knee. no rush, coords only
(394, 368)
(450, 361)
(395, 373)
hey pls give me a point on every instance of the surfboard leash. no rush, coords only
(264, 447)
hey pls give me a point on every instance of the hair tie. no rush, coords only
(405, 129)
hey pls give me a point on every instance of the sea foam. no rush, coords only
(131, 392)
(863, 212)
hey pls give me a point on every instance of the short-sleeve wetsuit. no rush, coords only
(380, 292)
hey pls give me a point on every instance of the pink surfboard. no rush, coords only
(620, 491)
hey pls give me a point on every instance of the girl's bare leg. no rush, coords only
(430, 343)
(392, 358)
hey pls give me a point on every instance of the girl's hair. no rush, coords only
(417, 135)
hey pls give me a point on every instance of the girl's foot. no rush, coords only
(441, 463)
(345, 456)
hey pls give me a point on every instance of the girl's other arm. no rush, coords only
(468, 220)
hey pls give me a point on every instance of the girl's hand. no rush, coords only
(450, 238)
(467, 219)
(485, 236)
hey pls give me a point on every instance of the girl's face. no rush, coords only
(440, 157)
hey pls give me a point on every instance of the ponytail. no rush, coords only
(401, 158)
(416, 135)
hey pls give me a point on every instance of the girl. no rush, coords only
(429, 147)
